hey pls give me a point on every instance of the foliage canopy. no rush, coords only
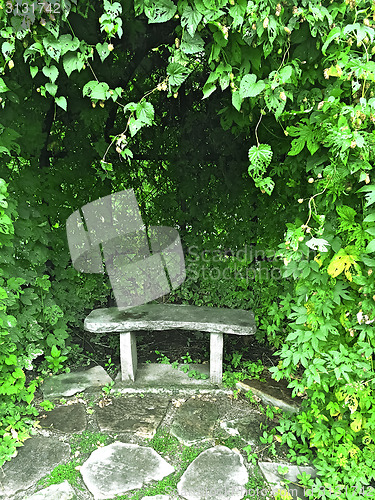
(244, 122)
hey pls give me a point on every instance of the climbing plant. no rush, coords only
(16, 396)
(244, 123)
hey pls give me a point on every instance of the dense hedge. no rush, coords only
(278, 155)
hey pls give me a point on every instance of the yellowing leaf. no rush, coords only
(318, 444)
(353, 450)
(352, 402)
(342, 261)
(339, 395)
(318, 260)
(366, 439)
(337, 265)
(334, 71)
(357, 423)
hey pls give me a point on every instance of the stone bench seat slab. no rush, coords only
(171, 316)
(216, 321)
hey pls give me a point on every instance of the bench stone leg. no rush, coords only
(128, 355)
(216, 358)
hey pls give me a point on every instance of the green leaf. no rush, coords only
(7, 49)
(346, 213)
(103, 51)
(138, 7)
(132, 106)
(177, 74)
(297, 146)
(224, 80)
(18, 373)
(285, 74)
(117, 93)
(55, 352)
(370, 218)
(292, 336)
(208, 89)
(51, 72)
(128, 152)
(248, 87)
(33, 71)
(51, 88)
(237, 12)
(192, 44)
(145, 112)
(61, 101)
(370, 196)
(72, 62)
(236, 99)
(190, 20)
(134, 126)
(305, 135)
(32, 51)
(363, 31)
(366, 260)
(266, 184)
(7, 143)
(11, 359)
(371, 247)
(339, 292)
(260, 157)
(67, 43)
(161, 11)
(332, 35)
(52, 46)
(96, 90)
(3, 87)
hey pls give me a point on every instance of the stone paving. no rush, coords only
(201, 417)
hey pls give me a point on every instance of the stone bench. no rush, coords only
(216, 321)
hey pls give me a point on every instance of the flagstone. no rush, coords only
(194, 421)
(277, 480)
(121, 467)
(62, 491)
(216, 474)
(37, 458)
(248, 428)
(272, 392)
(70, 418)
(139, 415)
(68, 384)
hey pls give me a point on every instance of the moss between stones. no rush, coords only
(180, 456)
(81, 445)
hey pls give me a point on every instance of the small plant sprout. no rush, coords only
(47, 405)
(56, 359)
(108, 387)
